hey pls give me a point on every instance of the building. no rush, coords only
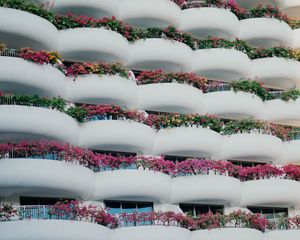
(142, 132)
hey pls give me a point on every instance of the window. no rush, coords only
(116, 207)
(116, 154)
(196, 209)
(246, 164)
(39, 201)
(176, 158)
(270, 213)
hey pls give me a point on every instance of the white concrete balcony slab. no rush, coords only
(151, 233)
(16, 30)
(92, 8)
(282, 235)
(291, 8)
(282, 112)
(291, 153)
(117, 135)
(222, 64)
(21, 76)
(48, 178)
(152, 54)
(228, 234)
(32, 123)
(134, 185)
(268, 192)
(206, 189)
(187, 141)
(92, 44)
(170, 97)
(265, 32)
(229, 104)
(144, 13)
(52, 230)
(251, 146)
(296, 38)
(276, 72)
(213, 22)
(106, 89)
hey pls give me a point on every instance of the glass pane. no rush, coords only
(128, 207)
(281, 212)
(29, 201)
(187, 209)
(217, 209)
(200, 209)
(113, 207)
(268, 213)
(254, 209)
(145, 207)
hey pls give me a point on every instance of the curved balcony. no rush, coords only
(83, 44)
(280, 235)
(152, 54)
(16, 30)
(170, 97)
(21, 76)
(265, 32)
(151, 233)
(276, 72)
(296, 38)
(52, 229)
(143, 13)
(30, 123)
(253, 146)
(49, 178)
(291, 153)
(95, 89)
(254, 3)
(92, 8)
(228, 234)
(214, 22)
(137, 185)
(233, 105)
(283, 112)
(206, 188)
(222, 64)
(187, 141)
(117, 135)
(278, 192)
(291, 8)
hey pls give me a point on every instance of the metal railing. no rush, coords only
(10, 53)
(34, 212)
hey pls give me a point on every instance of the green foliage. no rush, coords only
(253, 87)
(78, 113)
(56, 103)
(241, 126)
(290, 95)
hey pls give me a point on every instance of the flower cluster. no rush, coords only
(134, 34)
(41, 57)
(99, 68)
(106, 162)
(158, 76)
(7, 213)
(49, 150)
(170, 120)
(266, 11)
(74, 210)
(157, 121)
(105, 111)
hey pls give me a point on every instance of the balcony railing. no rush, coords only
(10, 53)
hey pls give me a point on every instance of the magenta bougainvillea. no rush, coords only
(107, 162)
